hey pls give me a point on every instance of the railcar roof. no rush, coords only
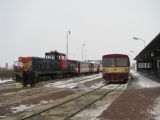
(115, 55)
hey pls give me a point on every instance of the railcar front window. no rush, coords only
(108, 62)
(121, 62)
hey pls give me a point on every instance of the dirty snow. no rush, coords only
(43, 102)
(25, 107)
(21, 108)
(3, 116)
(144, 82)
(71, 83)
(155, 111)
(97, 85)
(92, 114)
(5, 80)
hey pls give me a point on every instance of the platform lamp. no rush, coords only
(135, 38)
(83, 45)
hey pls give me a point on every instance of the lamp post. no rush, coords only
(83, 45)
(135, 38)
(133, 63)
(67, 37)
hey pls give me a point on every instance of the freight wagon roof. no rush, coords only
(115, 56)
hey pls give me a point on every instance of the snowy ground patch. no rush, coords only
(155, 111)
(97, 109)
(21, 108)
(5, 80)
(97, 85)
(144, 82)
(92, 114)
(72, 83)
(25, 107)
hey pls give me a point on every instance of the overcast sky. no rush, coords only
(33, 27)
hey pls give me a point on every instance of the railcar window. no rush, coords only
(121, 62)
(109, 62)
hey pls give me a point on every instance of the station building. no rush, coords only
(148, 60)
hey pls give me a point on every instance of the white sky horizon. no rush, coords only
(33, 27)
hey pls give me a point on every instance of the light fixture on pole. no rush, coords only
(83, 45)
(135, 38)
(67, 37)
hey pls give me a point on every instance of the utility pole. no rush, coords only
(83, 45)
(67, 37)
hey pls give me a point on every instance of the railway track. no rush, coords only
(79, 101)
(30, 92)
(16, 98)
(78, 80)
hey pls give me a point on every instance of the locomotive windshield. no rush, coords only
(111, 62)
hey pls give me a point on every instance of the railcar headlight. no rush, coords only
(124, 69)
(105, 70)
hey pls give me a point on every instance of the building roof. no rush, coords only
(154, 44)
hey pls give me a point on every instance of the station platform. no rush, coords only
(140, 101)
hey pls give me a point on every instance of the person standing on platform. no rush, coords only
(25, 77)
(31, 76)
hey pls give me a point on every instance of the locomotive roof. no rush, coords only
(53, 53)
(115, 55)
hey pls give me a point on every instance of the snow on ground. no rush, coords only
(94, 111)
(3, 116)
(155, 111)
(110, 86)
(71, 83)
(25, 107)
(92, 114)
(44, 102)
(21, 108)
(5, 80)
(97, 85)
(144, 82)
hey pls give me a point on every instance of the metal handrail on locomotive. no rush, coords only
(53, 65)
(115, 67)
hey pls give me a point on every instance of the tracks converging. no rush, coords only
(78, 80)
(79, 98)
